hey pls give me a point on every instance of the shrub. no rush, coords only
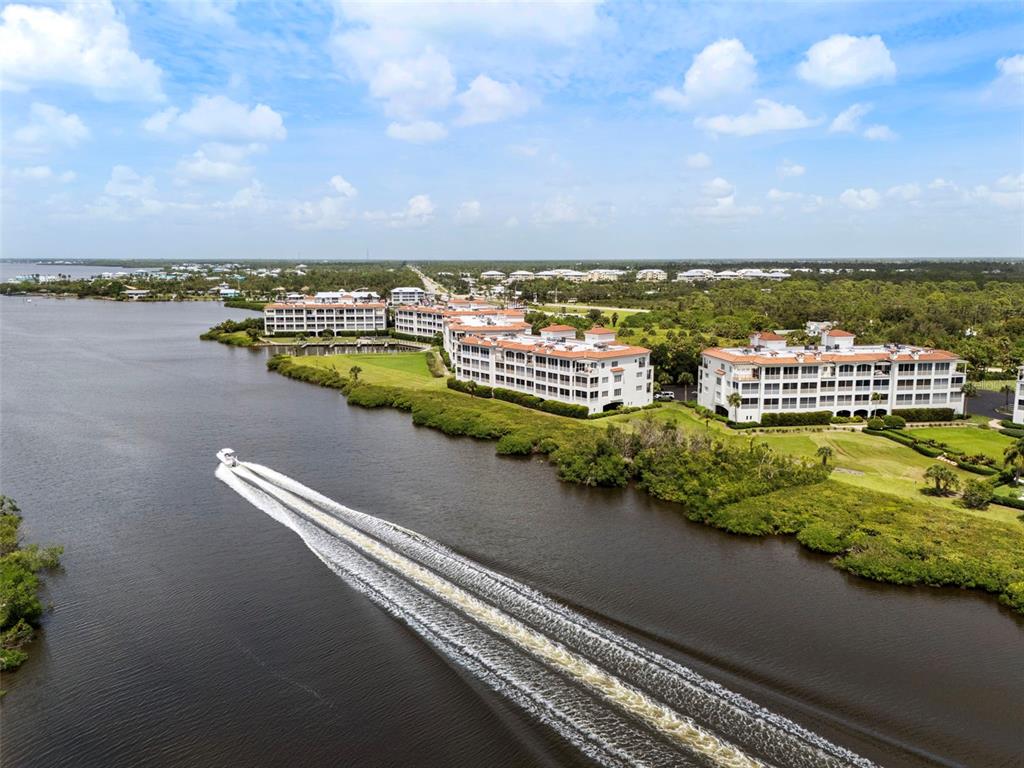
(796, 419)
(977, 494)
(434, 364)
(591, 463)
(1011, 432)
(876, 423)
(925, 414)
(515, 444)
(892, 421)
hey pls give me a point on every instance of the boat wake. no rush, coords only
(619, 703)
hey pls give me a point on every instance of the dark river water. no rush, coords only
(191, 629)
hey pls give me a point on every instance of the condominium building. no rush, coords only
(1018, 402)
(597, 372)
(328, 310)
(406, 295)
(427, 320)
(651, 275)
(836, 376)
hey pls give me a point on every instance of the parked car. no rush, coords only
(665, 395)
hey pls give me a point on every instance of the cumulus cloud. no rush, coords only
(718, 201)
(125, 182)
(842, 61)
(565, 209)
(865, 199)
(722, 68)
(405, 52)
(768, 116)
(778, 196)
(879, 132)
(49, 126)
(698, 160)
(222, 117)
(418, 212)
(1007, 192)
(905, 192)
(788, 169)
(417, 132)
(249, 198)
(217, 162)
(467, 212)
(848, 121)
(1009, 83)
(488, 101)
(330, 211)
(43, 173)
(83, 44)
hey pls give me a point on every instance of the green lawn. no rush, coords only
(995, 385)
(864, 461)
(971, 440)
(405, 369)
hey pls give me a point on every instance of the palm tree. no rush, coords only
(354, 372)
(615, 319)
(734, 399)
(944, 478)
(825, 452)
(969, 390)
(1013, 456)
(876, 397)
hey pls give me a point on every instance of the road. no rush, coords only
(430, 285)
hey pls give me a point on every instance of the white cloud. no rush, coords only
(84, 44)
(942, 185)
(43, 173)
(221, 117)
(880, 133)
(406, 52)
(769, 116)
(49, 125)
(906, 192)
(418, 212)
(125, 182)
(778, 196)
(217, 162)
(843, 60)
(788, 169)
(698, 160)
(718, 201)
(488, 101)
(417, 132)
(717, 188)
(343, 187)
(1007, 192)
(467, 212)
(861, 199)
(722, 68)
(330, 211)
(561, 209)
(848, 121)
(215, 12)
(250, 198)
(1009, 84)
(413, 86)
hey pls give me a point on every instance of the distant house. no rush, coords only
(1018, 406)
(492, 274)
(230, 293)
(134, 293)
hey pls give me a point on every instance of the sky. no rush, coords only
(496, 130)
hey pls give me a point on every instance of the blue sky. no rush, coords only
(512, 130)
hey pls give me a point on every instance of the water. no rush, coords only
(11, 269)
(191, 628)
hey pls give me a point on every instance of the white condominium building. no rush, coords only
(489, 322)
(426, 320)
(651, 275)
(407, 295)
(328, 310)
(1018, 403)
(598, 372)
(836, 376)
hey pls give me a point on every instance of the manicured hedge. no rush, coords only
(796, 419)
(926, 414)
(1011, 432)
(1011, 424)
(520, 398)
(1006, 501)
(407, 336)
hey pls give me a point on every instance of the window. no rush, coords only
(772, 370)
(906, 368)
(846, 368)
(809, 370)
(790, 370)
(618, 393)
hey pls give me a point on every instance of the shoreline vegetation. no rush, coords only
(20, 608)
(870, 517)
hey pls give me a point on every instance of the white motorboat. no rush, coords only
(227, 456)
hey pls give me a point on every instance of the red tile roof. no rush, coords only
(838, 332)
(558, 328)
